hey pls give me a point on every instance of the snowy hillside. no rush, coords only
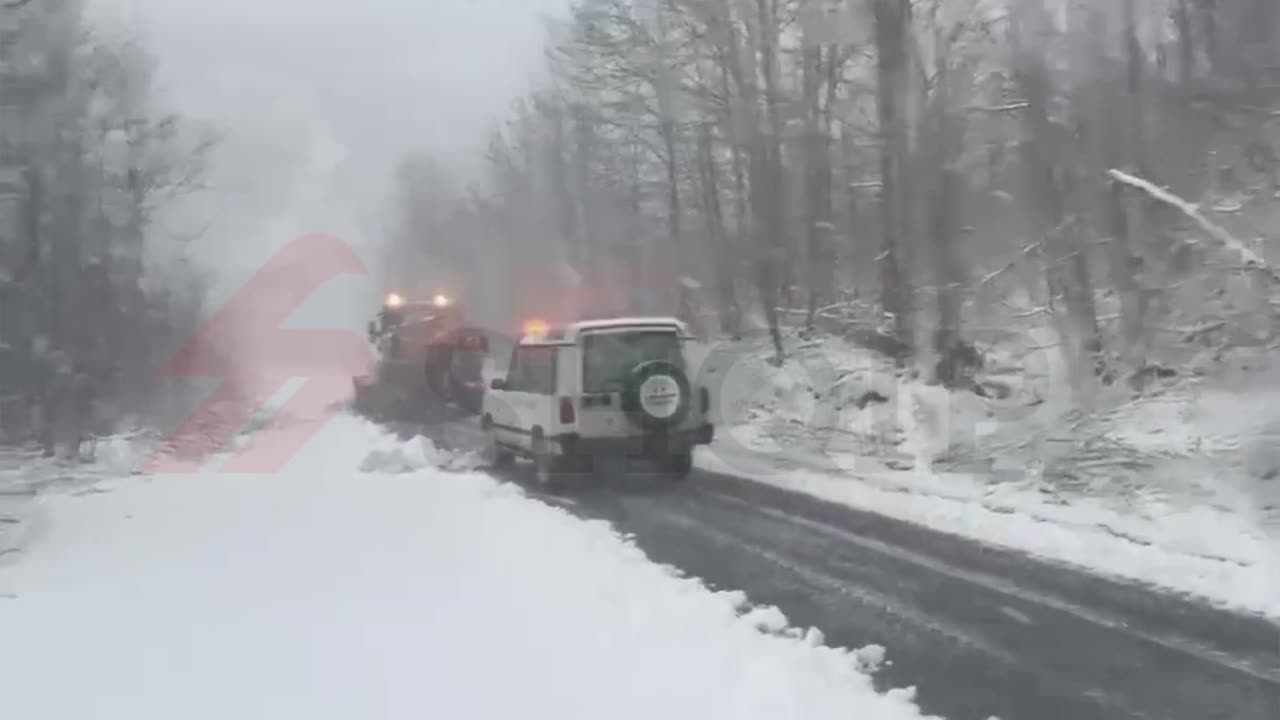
(1178, 488)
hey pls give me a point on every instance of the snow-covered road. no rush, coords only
(367, 582)
(982, 631)
(396, 591)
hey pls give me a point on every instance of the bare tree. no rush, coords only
(1050, 182)
(893, 67)
(730, 139)
(95, 161)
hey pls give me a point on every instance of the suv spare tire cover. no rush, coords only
(659, 394)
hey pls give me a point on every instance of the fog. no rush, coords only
(1005, 273)
(314, 101)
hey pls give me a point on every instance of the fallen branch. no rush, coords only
(1007, 107)
(991, 276)
(824, 310)
(1022, 314)
(1252, 260)
(1195, 333)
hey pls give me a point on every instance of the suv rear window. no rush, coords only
(609, 357)
(533, 369)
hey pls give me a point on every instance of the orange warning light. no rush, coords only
(536, 328)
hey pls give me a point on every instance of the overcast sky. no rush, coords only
(316, 99)
(412, 71)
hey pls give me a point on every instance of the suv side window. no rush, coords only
(533, 370)
(513, 370)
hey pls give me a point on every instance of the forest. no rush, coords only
(926, 177)
(92, 287)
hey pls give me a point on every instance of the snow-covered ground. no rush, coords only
(367, 582)
(1178, 489)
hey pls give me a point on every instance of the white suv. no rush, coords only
(617, 387)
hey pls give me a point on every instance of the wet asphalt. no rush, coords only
(979, 631)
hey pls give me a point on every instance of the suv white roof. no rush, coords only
(570, 333)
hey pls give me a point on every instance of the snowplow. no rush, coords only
(430, 362)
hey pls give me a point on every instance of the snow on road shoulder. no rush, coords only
(1176, 490)
(1170, 551)
(326, 592)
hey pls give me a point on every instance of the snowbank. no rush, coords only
(402, 591)
(840, 396)
(1181, 490)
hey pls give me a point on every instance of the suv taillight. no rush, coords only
(567, 414)
(705, 396)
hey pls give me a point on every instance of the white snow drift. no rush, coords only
(400, 591)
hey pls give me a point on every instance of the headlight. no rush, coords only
(442, 301)
(395, 301)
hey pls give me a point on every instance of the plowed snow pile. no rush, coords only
(365, 582)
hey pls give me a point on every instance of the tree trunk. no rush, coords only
(1186, 43)
(557, 158)
(1045, 161)
(1126, 211)
(665, 88)
(585, 142)
(721, 248)
(775, 211)
(893, 22)
(1129, 213)
(34, 212)
(852, 205)
(731, 70)
(815, 153)
(944, 220)
(941, 186)
(1136, 72)
(1212, 44)
(636, 257)
(673, 193)
(764, 178)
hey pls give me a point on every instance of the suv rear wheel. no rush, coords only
(548, 468)
(498, 457)
(677, 465)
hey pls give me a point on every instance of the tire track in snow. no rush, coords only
(1131, 672)
(1267, 673)
(975, 645)
(980, 631)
